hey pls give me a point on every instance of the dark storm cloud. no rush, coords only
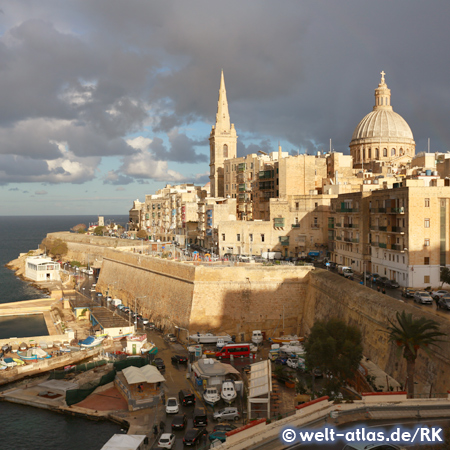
(87, 74)
(182, 149)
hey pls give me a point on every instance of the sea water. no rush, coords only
(25, 427)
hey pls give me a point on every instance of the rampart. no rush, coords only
(239, 299)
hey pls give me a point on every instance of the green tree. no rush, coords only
(411, 335)
(142, 234)
(98, 231)
(335, 348)
(445, 275)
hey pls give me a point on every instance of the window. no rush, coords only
(426, 279)
(384, 151)
(392, 151)
(250, 237)
(226, 188)
(225, 151)
(238, 237)
(262, 237)
(296, 220)
(427, 243)
(426, 261)
(223, 236)
(316, 205)
(427, 203)
(297, 205)
(427, 223)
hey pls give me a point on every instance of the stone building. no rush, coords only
(382, 136)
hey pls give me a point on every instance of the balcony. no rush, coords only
(347, 239)
(379, 210)
(400, 210)
(295, 225)
(355, 240)
(339, 238)
(347, 210)
(382, 245)
(315, 226)
(396, 247)
(382, 228)
(338, 224)
(331, 225)
(284, 240)
(351, 225)
(398, 230)
(278, 222)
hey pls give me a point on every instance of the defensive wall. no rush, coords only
(331, 295)
(216, 298)
(238, 299)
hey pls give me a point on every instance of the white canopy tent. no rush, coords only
(146, 374)
(125, 442)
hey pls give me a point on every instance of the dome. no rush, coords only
(382, 124)
(385, 125)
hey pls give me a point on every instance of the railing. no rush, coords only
(348, 210)
(338, 224)
(400, 210)
(315, 225)
(382, 228)
(295, 225)
(379, 210)
(382, 245)
(398, 230)
(339, 238)
(397, 247)
(355, 240)
(331, 225)
(346, 239)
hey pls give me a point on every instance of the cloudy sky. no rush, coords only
(104, 101)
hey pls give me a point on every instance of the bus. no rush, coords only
(235, 350)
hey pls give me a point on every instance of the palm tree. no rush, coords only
(410, 335)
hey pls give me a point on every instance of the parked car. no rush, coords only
(171, 337)
(408, 293)
(179, 422)
(178, 359)
(224, 427)
(172, 406)
(193, 435)
(444, 302)
(229, 413)
(381, 281)
(144, 321)
(186, 397)
(166, 440)
(423, 297)
(296, 363)
(375, 277)
(159, 363)
(281, 361)
(220, 435)
(151, 325)
(392, 284)
(439, 294)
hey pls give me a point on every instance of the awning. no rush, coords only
(313, 254)
(146, 374)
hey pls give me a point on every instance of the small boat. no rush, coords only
(43, 345)
(228, 391)
(293, 348)
(33, 354)
(3, 366)
(285, 339)
(19, 362)
(257, 337)
(91, 341)
(209, 338)
(220, 343)
(211, 395)
(9, 362)
(23, 347)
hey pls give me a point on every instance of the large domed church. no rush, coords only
(382, 136)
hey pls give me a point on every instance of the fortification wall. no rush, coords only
(240, 299)
(331, 295)
(163, 289)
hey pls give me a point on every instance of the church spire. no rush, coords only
(222, 116)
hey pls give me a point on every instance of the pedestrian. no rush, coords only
(383, 291)
(378, 288)
(162, 425)
(155, 430)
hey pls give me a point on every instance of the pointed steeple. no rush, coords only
(222, 116)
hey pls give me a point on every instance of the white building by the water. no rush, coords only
(41, 268)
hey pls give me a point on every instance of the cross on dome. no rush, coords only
(382, 76)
